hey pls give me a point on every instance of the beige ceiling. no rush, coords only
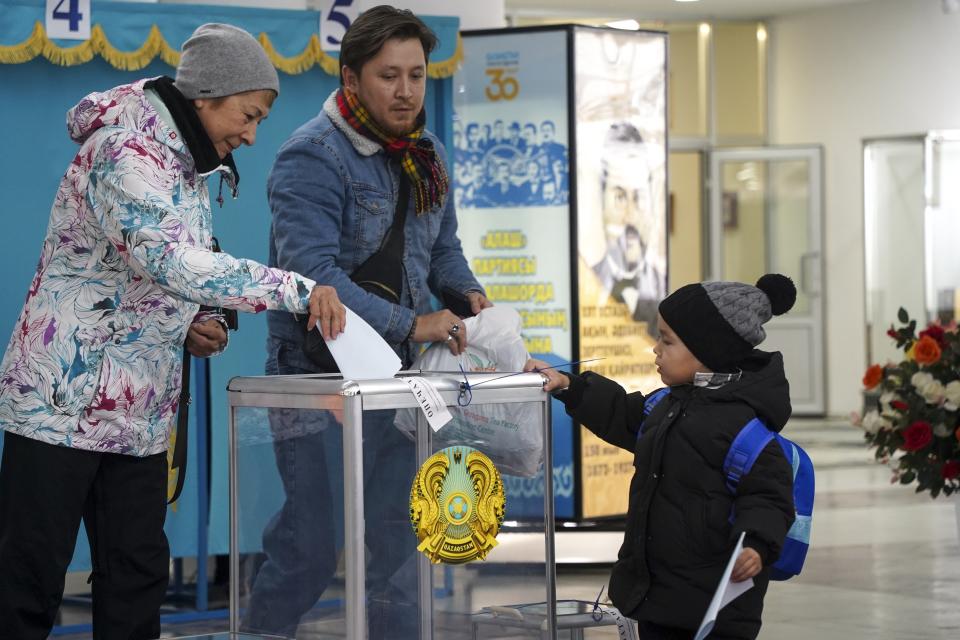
(666, 9)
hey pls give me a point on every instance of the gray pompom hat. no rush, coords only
(721, 322)
(222, 60)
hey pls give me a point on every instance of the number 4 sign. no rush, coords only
(68, 19)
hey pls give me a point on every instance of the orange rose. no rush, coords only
(873, 376)
(926, 350)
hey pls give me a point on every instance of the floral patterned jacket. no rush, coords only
(94, 362)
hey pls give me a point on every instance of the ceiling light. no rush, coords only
(630, 25)
(704, 29)
(761, 34)
(688, 0)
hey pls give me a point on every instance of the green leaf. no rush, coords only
(902, 315)
(908, 477)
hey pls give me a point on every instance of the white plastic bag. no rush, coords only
(510, 434)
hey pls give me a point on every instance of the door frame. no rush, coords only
(811, 270)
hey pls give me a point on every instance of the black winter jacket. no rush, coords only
(678, 534)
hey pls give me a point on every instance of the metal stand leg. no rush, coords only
(234, 534)
(353, 531)
(548, 515)
(424, 568)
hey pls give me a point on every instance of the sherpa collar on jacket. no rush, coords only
(363, 145)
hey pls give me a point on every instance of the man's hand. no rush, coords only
(442, 326)
(478, 301)
(555, 379)
(327, 312)
(206, 338)
(747, 565)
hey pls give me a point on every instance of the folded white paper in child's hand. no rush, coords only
(727, 592)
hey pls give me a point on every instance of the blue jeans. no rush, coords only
(300, 541)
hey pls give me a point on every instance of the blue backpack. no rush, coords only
(743, 452)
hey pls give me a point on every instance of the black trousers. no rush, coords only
(651, 631)
(45, 491)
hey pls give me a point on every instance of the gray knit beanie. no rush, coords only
(721, 322)
(221, 60)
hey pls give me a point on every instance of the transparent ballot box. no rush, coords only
(351, 517)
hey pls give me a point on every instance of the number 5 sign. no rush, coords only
(335, 21)
(68, 19)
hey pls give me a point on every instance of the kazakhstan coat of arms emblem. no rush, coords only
(457, 505)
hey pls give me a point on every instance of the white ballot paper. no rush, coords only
(431, 402)
(726, 593)
(361, 353)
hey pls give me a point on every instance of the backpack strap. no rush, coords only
(649, 403)
(744, 451)
(651, 400)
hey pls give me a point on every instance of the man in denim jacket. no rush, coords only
(333, 193)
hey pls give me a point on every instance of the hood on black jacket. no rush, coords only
(763, 386)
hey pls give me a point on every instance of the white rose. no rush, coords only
(921, 379)
(952, 393)
(872, 422)
(885, 399)
(932, 392)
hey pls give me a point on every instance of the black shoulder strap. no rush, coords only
(393, 243)
(179, 461)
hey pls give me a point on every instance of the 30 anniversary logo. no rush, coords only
(457, 505)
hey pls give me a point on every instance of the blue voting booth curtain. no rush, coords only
(35, 96)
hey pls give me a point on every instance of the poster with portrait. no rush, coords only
(620, 103)
(512, 190)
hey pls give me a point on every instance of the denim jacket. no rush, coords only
(333, 194)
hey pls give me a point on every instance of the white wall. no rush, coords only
(837, 76)
(475, 14)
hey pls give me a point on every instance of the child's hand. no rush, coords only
(747, 565)
(555, 379)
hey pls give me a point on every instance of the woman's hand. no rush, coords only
(748, 564)
(555, 379)
(206, 338)
(327, 312)
(478, 301)
(442, 326)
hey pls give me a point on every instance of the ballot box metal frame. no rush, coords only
(353, 397)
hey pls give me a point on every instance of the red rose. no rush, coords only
(917, 436)
(899, 405)
(935, 331)
(950, 469)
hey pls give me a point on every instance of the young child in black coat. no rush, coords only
(682, 521)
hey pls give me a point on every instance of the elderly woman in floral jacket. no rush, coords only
(90, 382)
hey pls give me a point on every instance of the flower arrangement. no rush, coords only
(914, 425)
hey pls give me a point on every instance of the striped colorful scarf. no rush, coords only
(428, 177)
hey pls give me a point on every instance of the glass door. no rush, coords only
(765, 217)
(911, 222)
(942, 225)
(893, 203)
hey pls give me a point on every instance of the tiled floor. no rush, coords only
(884, 562)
